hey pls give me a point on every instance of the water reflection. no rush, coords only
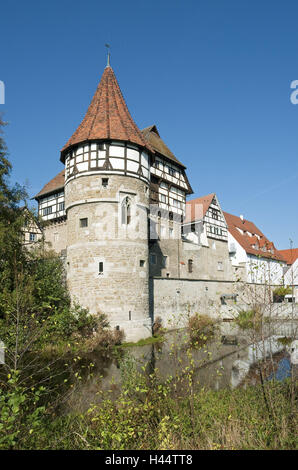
(217, 364)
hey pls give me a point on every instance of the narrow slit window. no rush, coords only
(220, 266)
(126, 211)
(100, 267)
(190, 265)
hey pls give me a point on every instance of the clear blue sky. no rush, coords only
(213, 75)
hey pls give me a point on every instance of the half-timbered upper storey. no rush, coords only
(51, 205)
(169, 183)
(109, 142)
(205, 219)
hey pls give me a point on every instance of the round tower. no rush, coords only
(107, 172)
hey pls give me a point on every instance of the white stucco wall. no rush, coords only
(291, 278)
(259, 270)
(238, 256)
(264, 270)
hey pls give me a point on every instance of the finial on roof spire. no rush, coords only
(108, 49)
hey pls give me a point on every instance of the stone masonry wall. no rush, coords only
(56, 236)
(122, 290)
(174, 300)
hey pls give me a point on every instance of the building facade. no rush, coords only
(291, 270)
(118, 213)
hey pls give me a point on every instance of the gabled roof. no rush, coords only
(289, 255)
(107, 117)
(196, 208)
(52, 186)
(152, 136)
(251, 244)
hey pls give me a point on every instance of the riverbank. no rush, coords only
(158, 395)
(153, 416)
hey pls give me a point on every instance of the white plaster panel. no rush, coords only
(83, 166)
(132, 166)
(144, 159)
(133, 154)
(116, 151)
(117, 163)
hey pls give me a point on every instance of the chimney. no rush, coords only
(242, 218)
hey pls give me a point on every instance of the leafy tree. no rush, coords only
(12, 218)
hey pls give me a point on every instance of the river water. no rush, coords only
(223, 361)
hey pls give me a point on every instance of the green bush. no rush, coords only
(150, 417)
(201, 329)
(21, 416)
(249, 319)
(282, 291)
(62, 324)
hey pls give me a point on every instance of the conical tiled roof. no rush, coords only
(107, 117)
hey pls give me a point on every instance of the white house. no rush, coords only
(291, 274)
(249, 247)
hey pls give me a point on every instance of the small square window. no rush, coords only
(105, 182)
(32, 237)
(84, 222)
(142, 263)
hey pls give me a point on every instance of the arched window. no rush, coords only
(126, 211)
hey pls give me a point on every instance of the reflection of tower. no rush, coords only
(107, 164)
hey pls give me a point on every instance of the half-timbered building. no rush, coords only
(118, 213)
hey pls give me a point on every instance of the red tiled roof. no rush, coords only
(197, 208)
(107, 117)
(289, 255)
(246, 241)
(152, 136)
(53, 185)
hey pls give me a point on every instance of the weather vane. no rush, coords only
(108, 49)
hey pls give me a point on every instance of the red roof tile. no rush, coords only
(289, 255)
(107, 117)
(196, 208)
(246, 241)
(152, 136)
(53, 185)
